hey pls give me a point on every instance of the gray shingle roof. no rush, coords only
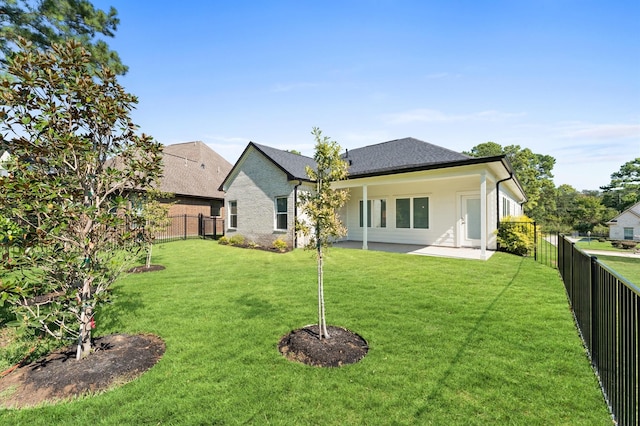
(192, 168)
(397, 155)
(294, 165)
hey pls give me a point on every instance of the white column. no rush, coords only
(365, 214)
(483, 216)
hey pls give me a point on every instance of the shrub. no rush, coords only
(223, 240)
(253, 245)
(628, 245)
(280, 245)
(236, 240)
(516, 235)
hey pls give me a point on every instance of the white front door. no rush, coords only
(470, 221)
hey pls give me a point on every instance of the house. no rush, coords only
(626, 226)
(193, 172)
(409, 191)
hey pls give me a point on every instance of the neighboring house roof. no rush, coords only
(193, 169)
(392, 157)
(634, 210)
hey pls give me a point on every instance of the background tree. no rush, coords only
(321, 208)
(74, 158)
(532, 170)
(45, 22)
(624, 189)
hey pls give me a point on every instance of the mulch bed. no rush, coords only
(143, 268)
(304, 345)
(116, 360)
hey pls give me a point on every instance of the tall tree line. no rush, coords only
(564, 208)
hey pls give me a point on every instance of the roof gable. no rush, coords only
(294, 165)
(632, 210)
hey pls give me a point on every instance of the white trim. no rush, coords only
(365, 215)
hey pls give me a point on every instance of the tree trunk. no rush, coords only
(322, 321)
(84, 339)
(149, 255)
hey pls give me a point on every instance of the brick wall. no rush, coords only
(255, 189)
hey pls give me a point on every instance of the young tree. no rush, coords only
(74, 158)
(321, 208)
(44, 22)
(156, 217)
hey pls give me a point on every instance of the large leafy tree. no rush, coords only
(321, 207)
(624, 189)
(75, 156)
(45, 22)
(532, 170)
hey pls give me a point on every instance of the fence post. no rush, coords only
(200, 225)
(593, 344)
(535, 242)
(185, 227)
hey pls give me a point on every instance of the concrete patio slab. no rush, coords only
(437, 251)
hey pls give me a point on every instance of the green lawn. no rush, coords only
(451, 342)
(628, 267)
(593, 244)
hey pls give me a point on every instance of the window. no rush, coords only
(281, 213)
(421, 212)
(506, 207)
(403, 212)
(412, 213)
(628, 233)
(376, 214)
(233, 214)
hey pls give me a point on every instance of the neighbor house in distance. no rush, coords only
(192, 172)
(626, 226)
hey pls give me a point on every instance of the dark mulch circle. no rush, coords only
(116, 360)
(143, 268)
(343, 347)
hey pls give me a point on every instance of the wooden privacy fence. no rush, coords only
(606, 308)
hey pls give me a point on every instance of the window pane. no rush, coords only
(403, 219)
(368, 213)
(282, 221)
(378, 213)
(281, 213)
(628, 233)
(281, 204)
(383, 213)
(233, 214)
(421, 212)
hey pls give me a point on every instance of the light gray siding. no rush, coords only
(255, 188)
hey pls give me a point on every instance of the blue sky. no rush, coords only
(561, 77)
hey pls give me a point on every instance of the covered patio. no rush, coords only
(421, 250)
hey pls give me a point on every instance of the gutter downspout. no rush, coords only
(498, 198)
(295, 213)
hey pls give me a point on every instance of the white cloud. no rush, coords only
(601, 131)
(434, 116)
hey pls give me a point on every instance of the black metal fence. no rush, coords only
(606, 308)
(185, 226)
